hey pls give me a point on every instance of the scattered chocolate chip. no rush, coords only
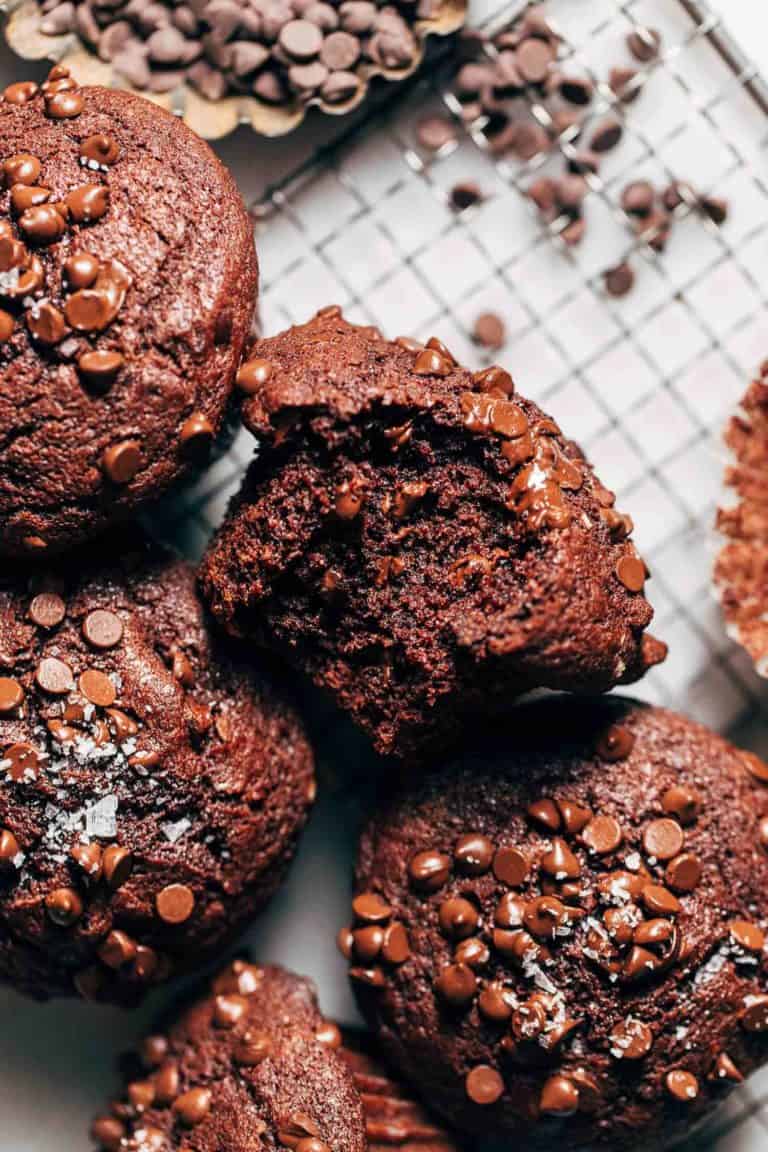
(619, 280)
(489, 331)
(606, 136)
(644, 43)
(435, 133)
(465, 195)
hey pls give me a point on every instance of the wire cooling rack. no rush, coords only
(644, 383)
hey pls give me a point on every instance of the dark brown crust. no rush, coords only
(695, 1008)
(251, 1105)
(485, 606)
(177, 221)
(217, 808)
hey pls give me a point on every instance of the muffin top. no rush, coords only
(574, 928)
(127, 286)
(248, 1067)
(153, 783)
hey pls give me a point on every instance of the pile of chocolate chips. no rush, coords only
(279, 51)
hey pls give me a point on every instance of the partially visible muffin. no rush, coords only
(565, 942)
(154, 784)
(245, 1068)
(127, 287)
(741, 568)
(422, 542)
(394, 1118)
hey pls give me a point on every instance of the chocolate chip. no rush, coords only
(683, 873)
(435, 132)
(715, 209)
(659, 900)
(747, 935)
(42, 224)
(21, 92)
(64, 105)
(88, 857)
(511, 866)
(22, 168)
(644, 43)
(64, 906)
(489, 331)
(682, 1085)
(7, 325)
(46, 324)
(196, 436)
(54, 676)
(122, 461)
(88, 203)
(193, 1106)
(11, 694)
(465, 195)
(175, 903)
(559, 862)
(755, 1015)
(341, 87)
(534, 58)
(577, 90)
(606, 136)
(100, 148)
(616, 743)
(301, 39)
(619, 280)
(117, 865)
(457, 984)
(622, 82)
(473, 854)
(546, 813)
(458, 918)
(370, 908)
(340, 51)
(97, 687)
(47, 610)
(602, 835)
(100, 369)
(631, 1039)
(484, 1085)
(428, 871)
(663, 839)
(559, 1097)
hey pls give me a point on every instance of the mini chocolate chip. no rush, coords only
(457, 984)
(484, 1085)
(54, 676)
(663, 839)
(602, 835)
(122, 461)
(175, 903)
(428, 871)
(631, 1039)
(64, 906)
(117, 864)
(11, 694)
(682, 1085)
(196, 436)
(606, 136)
(473, 854)
(644, 43)
(559, 1097)
(100, 369)
(616, 743)
(682, 802)
(100, 148)
(683, 873)
(619, 280)
(371, 909)
(193, 1106)
(88, 203)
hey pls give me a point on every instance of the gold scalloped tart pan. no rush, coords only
(208, 118)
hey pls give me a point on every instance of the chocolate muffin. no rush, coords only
(565, 942)
(741, 567)
(247, 1067)
(393, 1116)
(419, 540)
(127, 287)
(154, 784)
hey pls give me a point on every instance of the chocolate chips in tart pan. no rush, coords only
(154, 783)
(419, 540)
(127, 288)
(567, 934)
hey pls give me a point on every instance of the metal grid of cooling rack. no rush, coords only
(643, 383)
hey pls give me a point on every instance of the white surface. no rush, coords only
(644, 384)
